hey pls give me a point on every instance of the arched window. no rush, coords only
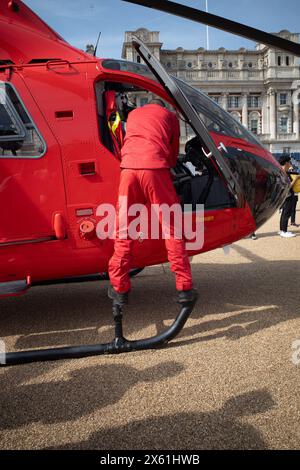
(254, 126)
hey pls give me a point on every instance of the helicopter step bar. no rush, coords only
(118, 345)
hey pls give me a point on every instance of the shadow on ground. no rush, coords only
(243, 298)
(83, 391)
(220, 429)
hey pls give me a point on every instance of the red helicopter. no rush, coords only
(59, 160)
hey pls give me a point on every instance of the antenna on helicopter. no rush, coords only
(95, 50)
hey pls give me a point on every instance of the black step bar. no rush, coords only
(118, 345)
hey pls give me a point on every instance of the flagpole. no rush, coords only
(207, 34)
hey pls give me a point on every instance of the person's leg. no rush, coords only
(293, 211)
(158, 189)
(120, 262)
(285, 214)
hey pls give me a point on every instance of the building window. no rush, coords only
(230, 65)
(253, 101)
(190, 65)
(282, 99)
(18, 135)
(284, 124)
(210, 65)
(138, 59)
(287, 60)
(254, 126)
(233, 102)
(169, 65)
(250, 65)
(279, 60)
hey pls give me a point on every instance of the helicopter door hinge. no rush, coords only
(59, 226)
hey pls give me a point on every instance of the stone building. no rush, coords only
(260, 87)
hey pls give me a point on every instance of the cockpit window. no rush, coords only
(131, 67)
(18, 135)
(213, 116)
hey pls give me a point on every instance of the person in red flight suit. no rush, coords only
(150, 149)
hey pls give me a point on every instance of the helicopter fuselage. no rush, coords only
(57, 166)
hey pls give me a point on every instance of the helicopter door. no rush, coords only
(31, 185)
(188, 111)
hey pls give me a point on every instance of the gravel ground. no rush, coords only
(226, 382)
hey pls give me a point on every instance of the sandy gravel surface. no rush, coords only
(228, 380)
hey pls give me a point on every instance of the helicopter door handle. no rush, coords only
(87, 168)
(59, 226)
(220, 147)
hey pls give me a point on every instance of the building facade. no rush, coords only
(260, 87)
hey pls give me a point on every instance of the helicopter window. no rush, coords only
(10, 125)
(131, 67)
(18, 135)
(195, 178)
(213, 116)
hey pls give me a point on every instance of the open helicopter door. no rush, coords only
(210, 149)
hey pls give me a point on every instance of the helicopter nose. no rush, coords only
(264, 183)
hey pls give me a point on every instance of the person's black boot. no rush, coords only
(119, 298)
(187, 296)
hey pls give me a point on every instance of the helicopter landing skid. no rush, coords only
(118, 345)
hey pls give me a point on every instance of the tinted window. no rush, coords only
(213, 116)
(131, 67)
(18, 135)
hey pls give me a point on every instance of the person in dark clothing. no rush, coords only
(287, 207)
(293, 214)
